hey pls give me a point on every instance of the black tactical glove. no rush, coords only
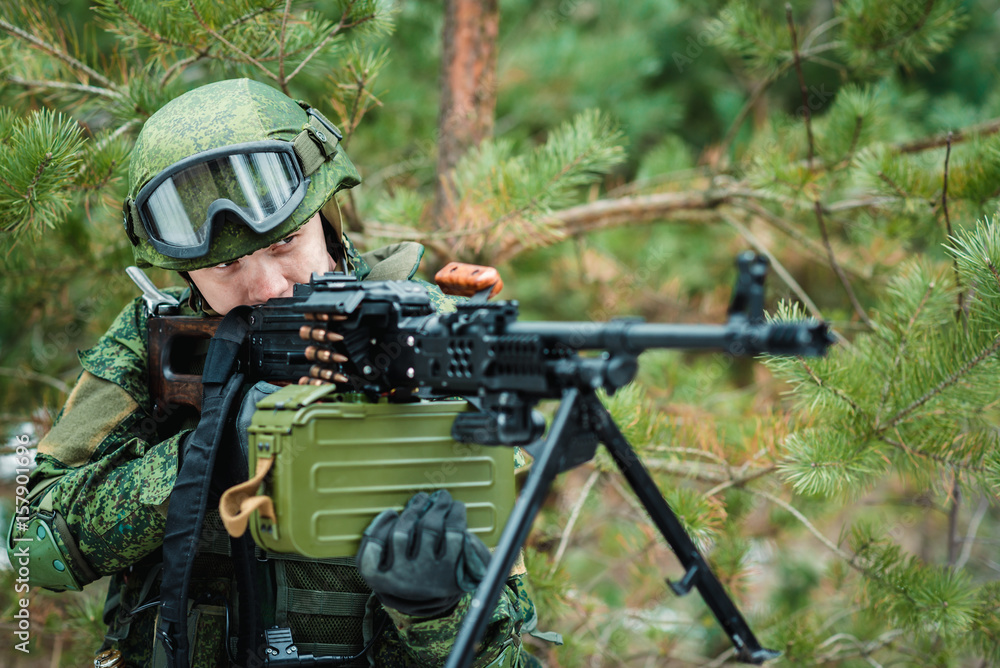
(422, 561)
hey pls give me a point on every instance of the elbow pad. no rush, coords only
(33, 546)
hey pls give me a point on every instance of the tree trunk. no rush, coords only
(468, 91)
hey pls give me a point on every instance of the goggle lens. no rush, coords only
(261, 187)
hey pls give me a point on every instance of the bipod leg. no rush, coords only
(696, 571)
(548, 462)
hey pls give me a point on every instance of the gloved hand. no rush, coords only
(422, 561)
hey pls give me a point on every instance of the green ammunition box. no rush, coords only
(339, 462)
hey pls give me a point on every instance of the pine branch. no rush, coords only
(876, 40)
(243, 54)
(741, 481)
(970, 535)
(62, 85)
(554, 183)
(205, 52)
(574, 515)
(947, 219)
(687, 451)
(956, 500)
(946, 383)
(914, 29)
(72, 62)
(860, 649)
(342, 24)
(821, 29)
(361, 71)
(281, 46)
(762, 88)
(911, 594)
(690, 471)
(837, 392)
(605, 213)
(940, 459)
(850, 559)
(47, 152)
(27, 374)
(802, 82)
(984, 129)
(903, 342)
(892, 184)
(861, 203)
(152, 34)
(789, 228)
(689, 206)
(836, 266)
(39, 171)
(330, 35)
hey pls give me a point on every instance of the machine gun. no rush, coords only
(385, 338)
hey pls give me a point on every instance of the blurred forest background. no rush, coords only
(611, 158)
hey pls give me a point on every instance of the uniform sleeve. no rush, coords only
(427, 642)
(107, 466)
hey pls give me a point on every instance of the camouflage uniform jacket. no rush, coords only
(109, 466)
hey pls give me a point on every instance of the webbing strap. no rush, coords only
(291, 556)
(316, 144)
(334, 603)
(189, 497)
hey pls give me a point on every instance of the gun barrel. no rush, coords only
(805, 337)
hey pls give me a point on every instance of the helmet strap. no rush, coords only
(333, 228)
(195, 299)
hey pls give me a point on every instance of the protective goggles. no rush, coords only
(260, 183)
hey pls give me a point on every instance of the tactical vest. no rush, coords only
(322, 602)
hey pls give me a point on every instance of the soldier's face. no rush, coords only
(268, 273)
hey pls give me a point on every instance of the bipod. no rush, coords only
(580, 424)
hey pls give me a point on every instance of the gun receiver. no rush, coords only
(390, 340)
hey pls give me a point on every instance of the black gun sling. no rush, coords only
(189, 498)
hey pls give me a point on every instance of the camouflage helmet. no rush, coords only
(224, 114)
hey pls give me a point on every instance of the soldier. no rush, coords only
(232, 185)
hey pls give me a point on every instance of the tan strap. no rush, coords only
(239, 501)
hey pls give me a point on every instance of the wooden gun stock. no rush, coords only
(173, 344)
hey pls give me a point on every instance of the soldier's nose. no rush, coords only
(267, 281)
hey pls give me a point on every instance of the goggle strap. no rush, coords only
(133, 227)
(315, 144)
